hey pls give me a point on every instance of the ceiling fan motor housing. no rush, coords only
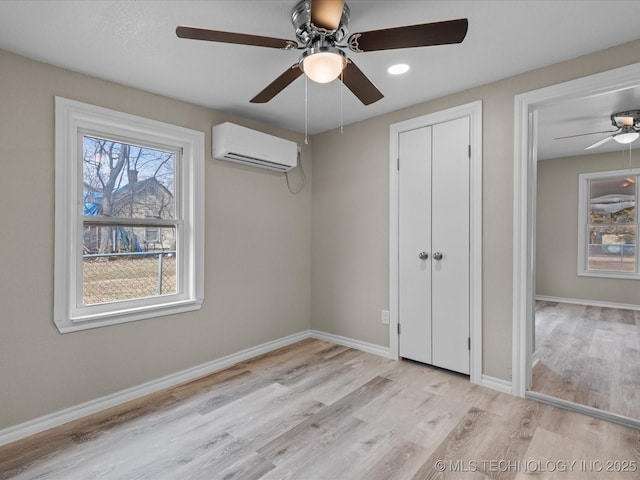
(628, 118)
(307, 32)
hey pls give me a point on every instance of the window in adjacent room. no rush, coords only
(129, 214)
(608, 224)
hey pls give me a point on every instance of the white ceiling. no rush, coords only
(134, 43)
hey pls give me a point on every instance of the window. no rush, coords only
(128, 217)
(608, 224)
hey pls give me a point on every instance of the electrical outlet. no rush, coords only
(385, 317)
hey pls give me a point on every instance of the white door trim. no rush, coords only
(474, 111)
(524, 178)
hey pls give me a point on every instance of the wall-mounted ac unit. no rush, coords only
(242, 145)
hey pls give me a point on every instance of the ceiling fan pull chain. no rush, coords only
(341, 109)
(306, 142)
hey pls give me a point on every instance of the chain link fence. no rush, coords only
(125, 276)
(616, 257)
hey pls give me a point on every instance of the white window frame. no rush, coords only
(72, 118)
(583, 224)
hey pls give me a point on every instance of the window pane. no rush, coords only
(612, 249)
(122, 180)
(132, 266)
(612, 200)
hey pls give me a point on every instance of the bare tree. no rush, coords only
(111, 171)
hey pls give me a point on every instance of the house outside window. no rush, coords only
(151, 236)
(608, 224)
(129, 217)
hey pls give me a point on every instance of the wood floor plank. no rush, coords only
(422, 418)
(274, 418)
(206, 383)
(517, 431)
(217, 459)
(238, 387)
(546, 448)
(252, 468)
(324, 420)
(265, 420)
(426, 378)
(589, 355)
(459, 448)
(327, 379)
(331, 456)
(401, 462)
(282, 357)
(594, 388)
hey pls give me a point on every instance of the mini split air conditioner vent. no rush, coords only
(238, 144)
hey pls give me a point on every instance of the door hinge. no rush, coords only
(468, 343)
(469, 152)
(398, 329)
(398, 163)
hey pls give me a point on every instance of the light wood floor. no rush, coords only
(589, 355)
(315, 410)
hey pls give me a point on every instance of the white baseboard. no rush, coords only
(494, 383)
(487, 381)
(591, 303)
(349, 342)
(55, 419)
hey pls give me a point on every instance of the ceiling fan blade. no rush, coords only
(326, 13)
(195, 33)
(423, 35)
(600, 142)
(585, 134)
(360, 85)
(278, 84)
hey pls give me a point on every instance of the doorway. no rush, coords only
(584, 325)
(434, 236)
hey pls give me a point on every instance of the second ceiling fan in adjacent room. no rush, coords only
(627, 125)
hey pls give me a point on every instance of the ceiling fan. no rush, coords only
(628, 129)
(320, 27)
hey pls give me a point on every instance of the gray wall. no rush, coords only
(257, 259)
(350, 266)
(557, 232)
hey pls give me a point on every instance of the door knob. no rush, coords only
(423, 255)
(437, 256)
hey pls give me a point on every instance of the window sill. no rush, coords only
(604, 274)
(130, 315)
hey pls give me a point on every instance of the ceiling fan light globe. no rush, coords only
(626, 137)
(323, 67)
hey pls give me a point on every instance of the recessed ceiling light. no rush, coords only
(398, 69)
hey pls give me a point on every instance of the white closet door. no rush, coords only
(433, 217)
(450, 237)
(415, 238)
